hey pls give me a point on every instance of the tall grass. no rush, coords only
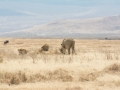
(95, 60)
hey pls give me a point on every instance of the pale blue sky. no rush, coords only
(22, 14)
(59, 7)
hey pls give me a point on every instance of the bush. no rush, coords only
(113, 68)
(1, 59)
(74, 88)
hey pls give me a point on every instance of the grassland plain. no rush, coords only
(95, 67)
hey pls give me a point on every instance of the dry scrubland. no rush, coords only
(95, 67)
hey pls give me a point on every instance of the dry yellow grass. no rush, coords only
(95, 67)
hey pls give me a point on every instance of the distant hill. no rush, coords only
(77, 28)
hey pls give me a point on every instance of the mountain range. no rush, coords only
(101, 27)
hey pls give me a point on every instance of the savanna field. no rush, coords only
(96, 65)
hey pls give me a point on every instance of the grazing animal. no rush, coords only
(6, 42)
(22, 51)
(67, 44)
(45, 47)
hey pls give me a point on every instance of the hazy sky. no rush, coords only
(22, 14)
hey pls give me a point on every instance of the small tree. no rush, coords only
(106, 38)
